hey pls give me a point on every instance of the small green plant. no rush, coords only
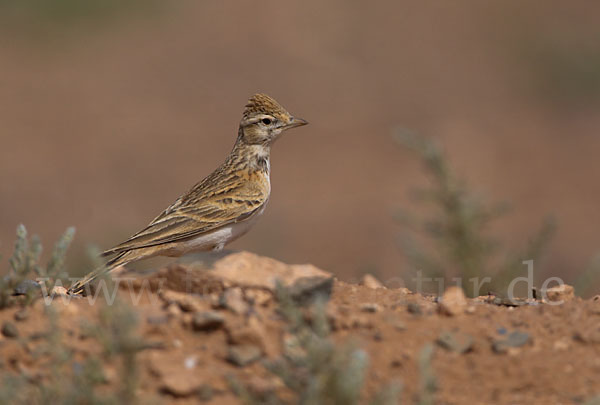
(428, 381)
(70, 381)
(116, 331)
(314, 368)
(588, 277)
(456, 235)
(24, 265)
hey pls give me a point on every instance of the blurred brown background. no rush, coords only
(110, 110)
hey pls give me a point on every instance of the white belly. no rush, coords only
(213, 240)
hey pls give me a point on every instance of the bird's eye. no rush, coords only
(266, 121)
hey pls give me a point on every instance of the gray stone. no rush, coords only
(455, 341)
(9, 330)
(514, 339)
(207, 320)
(27, 287)
(243, 355)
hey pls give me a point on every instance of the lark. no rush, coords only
(218, 209)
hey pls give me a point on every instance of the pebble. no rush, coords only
(307, 288)
(588, 335)
(563, 292)
(190, 362)
(513, 339)
(9, 330)
(187, 302)
(370, 307)
(369, 281)
(360, 322)
(252, 333)
(173, 310)
(259, 297)
(21, 315)
(561, 344)
(233, 299)
(455, 341)
(157, 320)
(243, 355)
(25, 286)
(453, 301)
(414, 308)
(207, 320)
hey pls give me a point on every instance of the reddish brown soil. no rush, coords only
(558, 364)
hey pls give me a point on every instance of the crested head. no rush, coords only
(260, 104)
(264, 119)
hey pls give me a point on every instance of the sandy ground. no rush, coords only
(482, 352)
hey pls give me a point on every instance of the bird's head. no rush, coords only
(264, 120)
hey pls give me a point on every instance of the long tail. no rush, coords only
(119, 260)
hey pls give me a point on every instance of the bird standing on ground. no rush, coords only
(220, 208)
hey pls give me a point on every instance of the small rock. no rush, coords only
(513, 339)
(180, 384)
(26, 286)
(251, 333)
(186, 319)
(173, 310)
(190, 362)
(396, 363)
(414, 308)
(207, 320)
(370, 307)
(455, 341)
(394, 320)
(156, 320)
(399, 325)
(563, 292)
(110, 373)
(561, 344)
(514, 351)
(588, 335)
(360, 322)
(21, 315)
(453, 301)
(187, 302)
(259, 297)
(245, 270)
(263, 387)
(370, 281)
(233, 299)
(9, 330)
(243, 355)
(307, 288)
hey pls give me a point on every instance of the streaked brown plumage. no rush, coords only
(220, 208)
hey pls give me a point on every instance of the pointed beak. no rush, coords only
(296, 122)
